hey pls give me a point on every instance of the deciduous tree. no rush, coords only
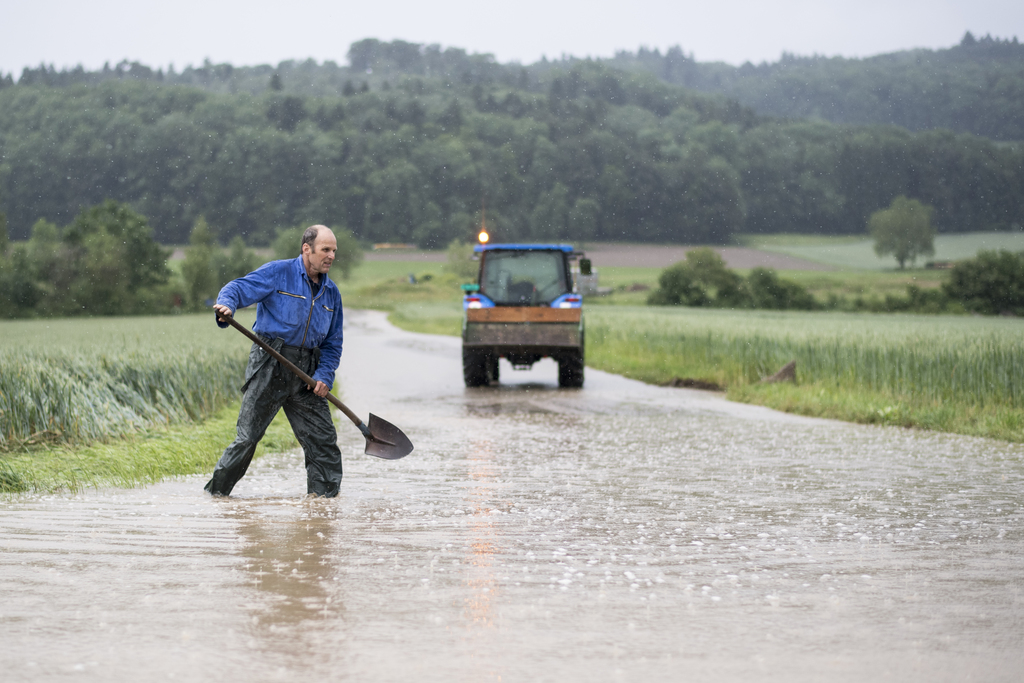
(113, 263)
(198, 270)
(903, 230)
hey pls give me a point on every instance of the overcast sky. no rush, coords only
(70, 32)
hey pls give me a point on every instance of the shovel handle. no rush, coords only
(293, 367)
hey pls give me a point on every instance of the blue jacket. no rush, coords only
(286, 307)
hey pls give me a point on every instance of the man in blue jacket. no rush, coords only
(298, 312)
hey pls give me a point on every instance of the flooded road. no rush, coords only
(618, 533)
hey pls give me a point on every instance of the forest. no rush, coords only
(417, 144)
(974, 87)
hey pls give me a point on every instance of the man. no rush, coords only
(298, 312)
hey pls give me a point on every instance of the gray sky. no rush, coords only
(69, 32)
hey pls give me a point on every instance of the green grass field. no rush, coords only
(985, 350)
(864, 284)
(385, 290)
(954, 374)
(117, 401)
(369, 273)
(858, 252)
(76, 381)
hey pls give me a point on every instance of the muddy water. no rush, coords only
(618, 533)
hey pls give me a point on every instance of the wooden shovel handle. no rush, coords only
(291, 366)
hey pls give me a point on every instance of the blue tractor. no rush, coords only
(523, 307)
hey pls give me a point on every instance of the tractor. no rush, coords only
(523, 307)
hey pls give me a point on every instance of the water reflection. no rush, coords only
(291, 553)
(479, 579)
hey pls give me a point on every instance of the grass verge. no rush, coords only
(142, 458)
(821, 399)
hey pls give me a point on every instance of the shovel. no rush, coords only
(383, 439)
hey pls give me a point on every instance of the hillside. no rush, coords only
(410, 142)
(974, 87)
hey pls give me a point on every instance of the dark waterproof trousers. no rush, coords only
(268, 388)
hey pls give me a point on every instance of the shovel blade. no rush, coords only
(386, 440)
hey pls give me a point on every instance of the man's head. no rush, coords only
(319, 246)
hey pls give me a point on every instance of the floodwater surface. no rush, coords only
(621, 532)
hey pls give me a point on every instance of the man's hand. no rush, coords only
(320, 389)
(223, 312)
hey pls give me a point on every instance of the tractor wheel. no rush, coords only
(570, 370)
(474, 369)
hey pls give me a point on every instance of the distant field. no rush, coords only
(628, 284)
(858, 252)
(369, 273)
(865, 284)
(385, 285)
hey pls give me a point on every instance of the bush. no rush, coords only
(703, 280)
(990, 283)
(767, 290)
(917, 301)
(678, 286)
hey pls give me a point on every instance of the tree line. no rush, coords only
(106, 261)
(974, 87)
(597, 153)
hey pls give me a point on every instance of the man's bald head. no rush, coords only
(311, 233)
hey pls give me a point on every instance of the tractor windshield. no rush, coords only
(523, 278)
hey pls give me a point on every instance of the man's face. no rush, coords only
(320, 257)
